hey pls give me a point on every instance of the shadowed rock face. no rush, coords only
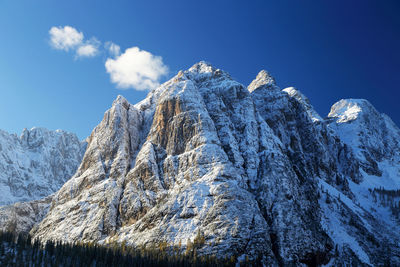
(37, 163)
(203, 154)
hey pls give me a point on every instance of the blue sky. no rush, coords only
(327, 49)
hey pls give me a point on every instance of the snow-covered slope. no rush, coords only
(252, 171)
(37, 163)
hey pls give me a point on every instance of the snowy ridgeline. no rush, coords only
(256, 171)
(37, 163)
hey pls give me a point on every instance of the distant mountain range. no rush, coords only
(37, 163)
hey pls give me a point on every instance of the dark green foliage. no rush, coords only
(22, 251)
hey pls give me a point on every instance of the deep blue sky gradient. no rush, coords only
(327, 49)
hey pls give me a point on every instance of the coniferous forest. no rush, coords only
(21, 250)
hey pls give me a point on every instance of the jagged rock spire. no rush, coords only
(263, 78)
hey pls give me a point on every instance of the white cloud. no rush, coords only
(68, 38)
(89, 49)
(113, 49)
(86, 50)
(137, 69)
(65, 38)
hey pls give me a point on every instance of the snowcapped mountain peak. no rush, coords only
(296, 94)
(373, 137)
(347, 110)
(34, 132)
(204, 70)
(120, 100)
(202, 67)
(39, 136)
(263, 78)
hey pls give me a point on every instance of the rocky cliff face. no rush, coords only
(253, 171)
(37, 163)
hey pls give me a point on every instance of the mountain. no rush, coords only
(37, 163)
(237, 171)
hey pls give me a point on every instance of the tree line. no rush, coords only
(21, 250)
